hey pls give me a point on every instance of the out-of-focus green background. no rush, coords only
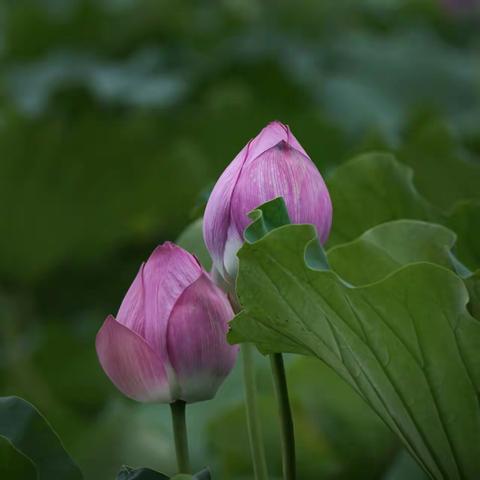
(117, 116)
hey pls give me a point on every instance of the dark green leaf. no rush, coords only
(28, 431)
(13, 465)
(128, 473)
(268, 216)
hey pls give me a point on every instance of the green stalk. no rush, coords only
(253, 420)
(180, 436)
(285, 414)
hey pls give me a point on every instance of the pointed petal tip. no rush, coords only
(164, 247)
(132, 309)
(110, 318)
(169, 250)
(276, 127)
(278, 123)
(285, 172)
(168, 272)
(169, 245)
(272, 134)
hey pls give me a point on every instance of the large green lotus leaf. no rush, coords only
(375, 188)
(28, 431)
(388, 246)
(376, 253)
(406, 344)
(370, 189)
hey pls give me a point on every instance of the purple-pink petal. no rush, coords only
(166, 274)
(216, 222)
(217, 212)
(270, 136)
(197, 347)
(131, 364)
(283, 171)
(132, 310)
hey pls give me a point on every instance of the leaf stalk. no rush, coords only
(179, 424)
(285, 414)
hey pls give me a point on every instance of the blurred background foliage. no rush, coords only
(116, 118)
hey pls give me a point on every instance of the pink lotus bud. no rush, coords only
(168, 341)
(271, 165)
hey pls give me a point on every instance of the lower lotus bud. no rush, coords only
(168, 341)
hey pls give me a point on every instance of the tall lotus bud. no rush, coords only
(168, 341)
(271, 165)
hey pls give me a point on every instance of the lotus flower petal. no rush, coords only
(167, 273)
(132, 310)
(283, 171)
(131, 364)
(199, 353)
(272, 164)
(171, 341)
(271, 135)
(216, 221)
